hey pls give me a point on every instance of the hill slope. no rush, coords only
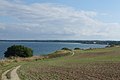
(93, 64)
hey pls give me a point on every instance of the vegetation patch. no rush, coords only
(59, 53)
(18, 51)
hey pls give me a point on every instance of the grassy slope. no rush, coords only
(85, 64)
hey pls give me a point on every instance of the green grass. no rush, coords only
(84, 62)
(50, 69)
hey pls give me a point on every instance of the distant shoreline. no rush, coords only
(107, 42)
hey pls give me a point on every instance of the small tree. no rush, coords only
(18, 51)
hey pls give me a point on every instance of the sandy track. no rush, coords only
(4, 77)
(13, 74)
(73, 53)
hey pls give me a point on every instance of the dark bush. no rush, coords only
(18, 51)
(76, 48)
(65, 48)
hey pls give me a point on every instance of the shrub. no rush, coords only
(65, 49)
(18, 51)
(76, 48)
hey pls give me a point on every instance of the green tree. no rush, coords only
(18, 51)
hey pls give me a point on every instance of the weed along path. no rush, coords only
(13, 74)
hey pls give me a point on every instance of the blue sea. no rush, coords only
(40, 48)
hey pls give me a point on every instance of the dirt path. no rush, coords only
(73, 53)
(4, 77)
(13, 74)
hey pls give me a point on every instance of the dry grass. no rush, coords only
(18, 59)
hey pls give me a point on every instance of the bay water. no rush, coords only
(40, 48)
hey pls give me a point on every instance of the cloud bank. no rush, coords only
(52, 21)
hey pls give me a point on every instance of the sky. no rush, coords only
(59, 20)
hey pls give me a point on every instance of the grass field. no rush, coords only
(92, 64)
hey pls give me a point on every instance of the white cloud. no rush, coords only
(55, 19)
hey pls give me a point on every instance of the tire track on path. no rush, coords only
(13, 74)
